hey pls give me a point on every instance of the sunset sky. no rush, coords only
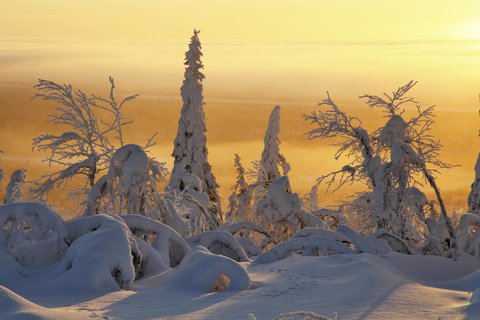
(256, 54)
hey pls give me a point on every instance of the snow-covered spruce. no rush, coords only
(219, 242)
(14, 187)
(2, 173)
(190, 146)
(474, 195)
(271, 157)
(239, 207)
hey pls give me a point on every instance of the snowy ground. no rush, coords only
(360, 286)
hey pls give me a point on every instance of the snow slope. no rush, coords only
(356, 286)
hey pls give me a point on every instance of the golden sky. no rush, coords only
(256, 54)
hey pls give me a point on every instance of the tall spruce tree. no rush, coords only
(271, 156)
(190, 146)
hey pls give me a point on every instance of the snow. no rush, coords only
(220, 242)
(171, 246)
(14, 187)
(359, 286)
(474, 196)
(32, 234)
(120, 267)
(202, 271)
(190, 149)
(271, 152)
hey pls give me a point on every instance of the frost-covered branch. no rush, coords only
(391, 103)
(86, 146)
(392, 161)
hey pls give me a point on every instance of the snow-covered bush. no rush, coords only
(14, 187)
(199, 211)
(219, 242)
(123, 189)
(389, 162)
(321, 242)
(279, 210)
(308, 246)
(171, 246)
(190, 146)
(32, 234)
(94, 253)
(249, 234)
(102, 251)
(469, 237)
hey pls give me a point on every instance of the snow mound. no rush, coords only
(13, 306)
(249, 247)
(32, 234)
(220, 242)
(100, 257)
(171, 246)
(304, 315)
(310, 246)
(207, 272)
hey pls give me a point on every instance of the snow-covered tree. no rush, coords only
(129, 187)
(14, 187)
(239, 200)
(268, 167)
(93, 130)
(84, 148)
(474, 196)
(2, 174)
(389, 162)
(190, 146)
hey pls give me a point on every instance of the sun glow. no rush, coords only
(470, 30)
